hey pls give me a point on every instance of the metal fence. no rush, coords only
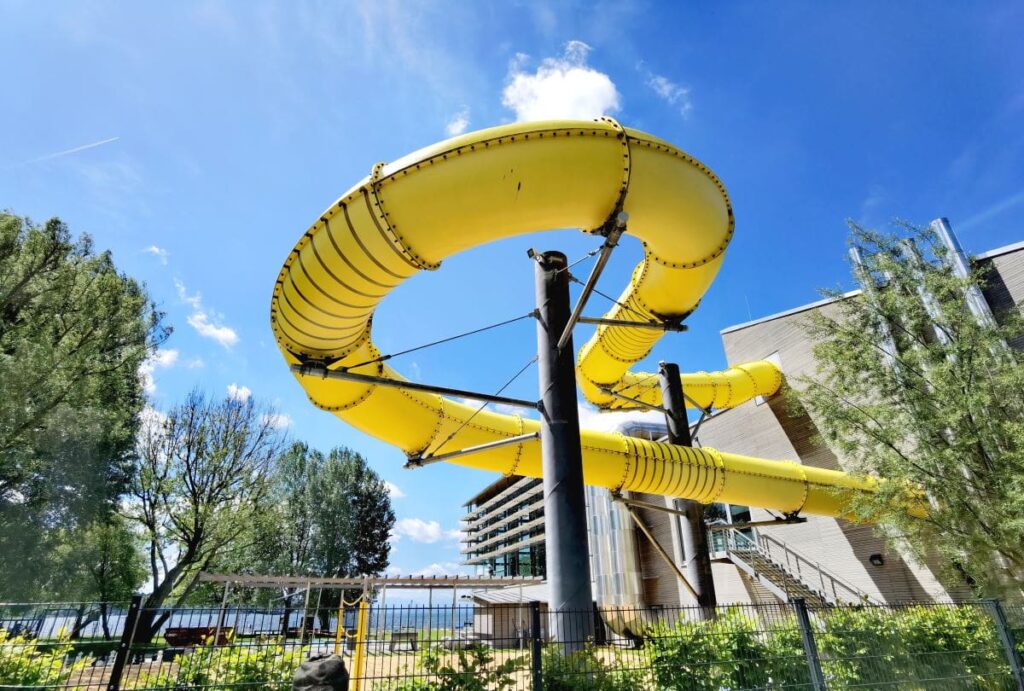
(974, 645)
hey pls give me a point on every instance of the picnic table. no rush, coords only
(192, 636)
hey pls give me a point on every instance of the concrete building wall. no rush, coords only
(1004, 279)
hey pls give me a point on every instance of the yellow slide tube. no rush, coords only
(410, 215)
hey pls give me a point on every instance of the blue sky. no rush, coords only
(199, 140)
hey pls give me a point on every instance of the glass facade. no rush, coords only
(503, 530)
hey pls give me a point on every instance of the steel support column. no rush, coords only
(568, 559)
(694, 531)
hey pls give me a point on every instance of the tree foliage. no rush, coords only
(327, 515)
(203, 479)
(73, 333)
(914, 388)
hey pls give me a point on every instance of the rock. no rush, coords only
(321, 673)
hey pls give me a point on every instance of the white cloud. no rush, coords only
(670, 92)
(158, 252)
(427, 532)
(394, 490)
(193, 300)
(165, 357)
(564, 87)
(446, 568)
(193, 363)
(206, 324)
(278, 420)
(161, 359)
(458, 122)
(239, 393)
(151, 419)
(591, 418)
(225, 335)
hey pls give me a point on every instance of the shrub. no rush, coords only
(474, 671)
(874, 646)
(265, 666)
(732, 651)
(586, 670)
(26, 663)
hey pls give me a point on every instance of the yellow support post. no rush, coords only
(362, 630)
(341, 622)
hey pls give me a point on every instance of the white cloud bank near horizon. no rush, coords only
(562, 87)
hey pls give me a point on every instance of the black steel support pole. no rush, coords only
(565, 520)
(693, 529)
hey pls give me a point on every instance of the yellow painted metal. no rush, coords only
(411, 214)
(340, 632)
(358, 677)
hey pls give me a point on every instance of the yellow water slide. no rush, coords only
(409, 215)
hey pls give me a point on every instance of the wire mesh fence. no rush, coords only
(479, 645)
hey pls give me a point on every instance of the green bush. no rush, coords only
(263, 665)
(874, 646)
(25, 662)
(586, 670)
(474, 671)
(732, 651)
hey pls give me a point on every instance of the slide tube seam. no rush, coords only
(382, 219)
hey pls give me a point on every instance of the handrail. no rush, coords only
(791, 585)
(823, 574)
(763, 545)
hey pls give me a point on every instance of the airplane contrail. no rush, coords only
(68, 152)
(994, 210)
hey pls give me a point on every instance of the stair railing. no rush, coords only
(737, 542)
(810, 573)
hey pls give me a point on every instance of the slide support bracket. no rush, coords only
(311, 370)
(420, 461)
(610, 242)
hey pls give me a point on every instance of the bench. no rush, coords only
(402, 637)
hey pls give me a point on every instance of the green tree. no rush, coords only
(202, 481)
(914, 388)
(329, 515)
(73, 333)
(100, 565)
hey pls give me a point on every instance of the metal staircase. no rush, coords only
(785, 572)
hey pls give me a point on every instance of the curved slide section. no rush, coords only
(411, 214)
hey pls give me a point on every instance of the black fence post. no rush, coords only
(536, 638)
(810, 646)
(1009, 645)
(125, 646)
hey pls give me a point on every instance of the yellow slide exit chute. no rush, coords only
(411, 214)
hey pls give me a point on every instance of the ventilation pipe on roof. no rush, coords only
(961, 265)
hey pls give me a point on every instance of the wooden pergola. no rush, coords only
(365, 583)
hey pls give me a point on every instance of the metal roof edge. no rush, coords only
(789, 312)
(999, 251)
(1005, 249)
